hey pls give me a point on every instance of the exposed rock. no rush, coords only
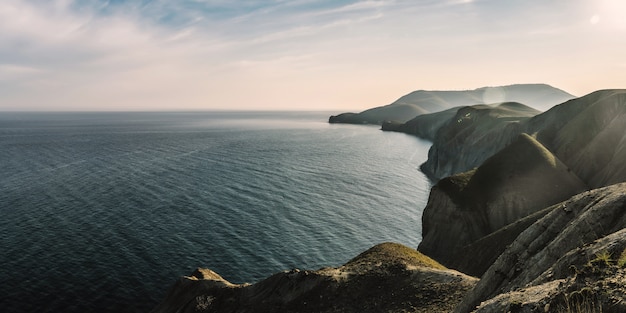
(423, 102)
(387, 278)
(486, 250)
(562, 246)
(516, 182)
(472, 135)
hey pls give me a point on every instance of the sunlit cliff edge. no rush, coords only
(531, 204)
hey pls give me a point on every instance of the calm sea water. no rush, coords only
(102, 212)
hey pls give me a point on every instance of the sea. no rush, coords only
(104, 211)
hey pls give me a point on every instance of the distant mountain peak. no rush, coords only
(407, 107)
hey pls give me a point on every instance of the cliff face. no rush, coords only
(577, 247)
(514, 183)
(386, 278)
(474, 133)
(465, 210)
(585, 133)
(423, 102)
(481, 212)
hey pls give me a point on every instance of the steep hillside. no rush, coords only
(423, 102)
(586, 133)
(574, 255)
(516, 182)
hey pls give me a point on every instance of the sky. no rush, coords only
(117, 55)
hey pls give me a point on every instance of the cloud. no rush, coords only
(104, 53)
(12, 72)
(161, 53)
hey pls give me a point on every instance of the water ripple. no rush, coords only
(101, 212)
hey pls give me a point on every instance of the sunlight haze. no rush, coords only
(92, 55)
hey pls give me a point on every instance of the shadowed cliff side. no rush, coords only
(588, 134)
(516, 182)
(575, 254)
(419, 102)
(424, 126)
(386, 278)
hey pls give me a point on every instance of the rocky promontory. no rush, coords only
(386, 278)
(575, 255)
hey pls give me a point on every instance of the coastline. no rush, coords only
(554, 230)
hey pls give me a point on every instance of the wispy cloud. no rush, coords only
(159, 52)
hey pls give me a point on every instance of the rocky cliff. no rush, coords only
(573, 256)
(386, 278)
(465, 210)
(424, 101)
(514, 183)
(472, 135)
(586, 133)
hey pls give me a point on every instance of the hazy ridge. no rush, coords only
(538, 96)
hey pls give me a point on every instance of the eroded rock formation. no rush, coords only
(386, 278)
(554, 257)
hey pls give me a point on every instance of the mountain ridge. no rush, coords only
(577, 131)
(421, 102)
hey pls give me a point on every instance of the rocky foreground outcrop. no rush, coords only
(386, 278)
(574, 256)
(540, 96)
(572, 259)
